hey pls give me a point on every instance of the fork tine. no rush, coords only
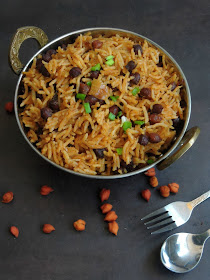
(164, 216)
(164, 229)
(155, 213)
(165, 222)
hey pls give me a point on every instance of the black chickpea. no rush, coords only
(46, 112)
(75, 72)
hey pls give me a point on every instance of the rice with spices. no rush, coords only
(70, 136)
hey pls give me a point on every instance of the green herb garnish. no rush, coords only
(89, 83)
(135, 91)
(150, 161)
(114, 98)
(126, 125)
(97, 67)
(139, 122)
(87, 107)
(110, 62)
(111, 116)
(119, 114)
(109, 57)
(81, 96)
(119, 151)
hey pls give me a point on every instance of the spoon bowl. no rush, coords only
(181, 252)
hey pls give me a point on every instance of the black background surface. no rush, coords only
(182, 28)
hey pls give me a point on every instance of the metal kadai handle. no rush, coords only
(187, 141)
(19, 37)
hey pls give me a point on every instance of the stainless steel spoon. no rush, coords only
(181, 252)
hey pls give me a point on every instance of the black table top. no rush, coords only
(182, 28)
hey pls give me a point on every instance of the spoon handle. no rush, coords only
(200, 199)
(205, 235)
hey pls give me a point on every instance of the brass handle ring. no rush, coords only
(187, 141)
(19, 37)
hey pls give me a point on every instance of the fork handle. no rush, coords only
(200, 199)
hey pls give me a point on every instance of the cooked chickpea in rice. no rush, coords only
(101, 105)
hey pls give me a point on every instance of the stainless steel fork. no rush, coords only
(173, 215)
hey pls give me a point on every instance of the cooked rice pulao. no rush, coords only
(101, 105)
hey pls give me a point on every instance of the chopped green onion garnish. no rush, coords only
(126, 125)
(110, 62)
(81, 96)
(150, 161)
(135, 91)
(111, 116)
(87, 108)
(89, 83)
(119, 114)
(119, 151)
(97, 67)
(114, 98)
(139, 122)
(109, 57)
